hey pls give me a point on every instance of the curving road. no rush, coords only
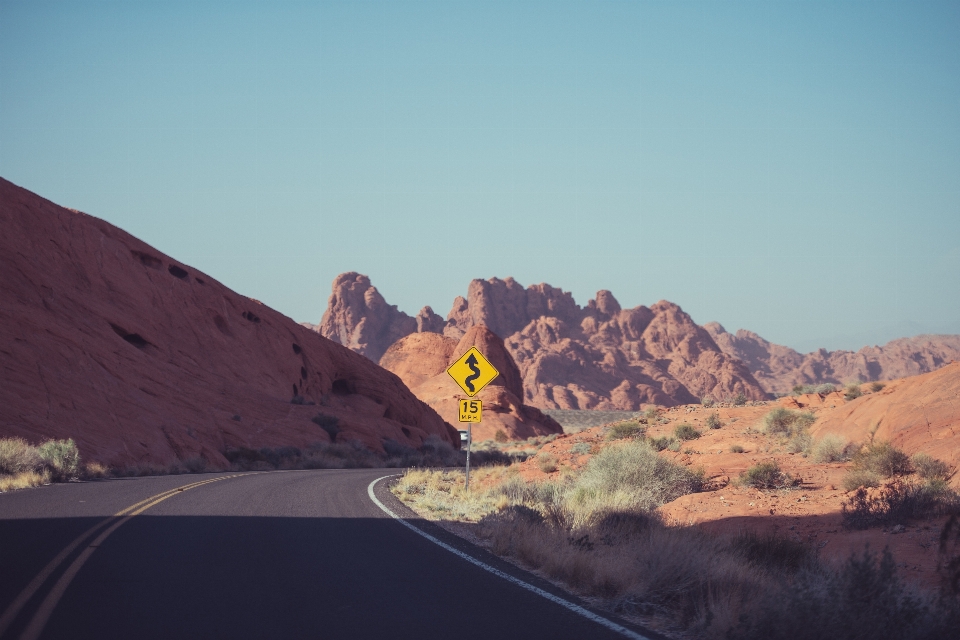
(293, 554)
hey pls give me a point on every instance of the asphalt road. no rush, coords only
(296, 554)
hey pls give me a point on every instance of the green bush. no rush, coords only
(706, 401)
(664, 442)
(832, 448)
(882, 458)
(581, 448)
(856, 478)
(765, 475)
(62, 457)
(631, 476)
(853, 391)
(897, 502)
(800, 443)
(739, 400)
(784, 422)
(686, 432)
(17, 456)
(626, 429)
(652, 413)
(713, 421)
(930, 468)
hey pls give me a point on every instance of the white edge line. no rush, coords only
(586, 613)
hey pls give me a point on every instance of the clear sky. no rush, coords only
(788, 167)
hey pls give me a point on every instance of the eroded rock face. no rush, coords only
(421, 361)
(780, 368)
(142, 359)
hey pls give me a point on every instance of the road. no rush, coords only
(294, 554)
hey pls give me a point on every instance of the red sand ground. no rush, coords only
(918, 414)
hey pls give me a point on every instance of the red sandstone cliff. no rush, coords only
(140, 358)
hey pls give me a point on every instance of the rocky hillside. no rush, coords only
(780, 368)
(595, 357)
(421, 361)
(142, 359)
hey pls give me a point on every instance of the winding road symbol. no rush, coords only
(472, 372)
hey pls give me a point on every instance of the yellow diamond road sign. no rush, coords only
(472, 371)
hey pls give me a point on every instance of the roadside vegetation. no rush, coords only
(597, 530)
(23, 465)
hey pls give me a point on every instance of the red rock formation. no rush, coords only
(780, 368)
(421, 361)
(140, 358)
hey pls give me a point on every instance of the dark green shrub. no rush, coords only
(765, 475)
(896, 502)
(876, 386)
(686, 432)
(664, 442)
(713, 421)
(62, 457)
(739, 400)
(736, 448)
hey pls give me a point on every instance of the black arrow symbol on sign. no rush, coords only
(472, 362)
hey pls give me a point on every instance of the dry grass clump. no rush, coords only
(664, 442)
(792, 425)
(441, 493)
(822, 389)
(856, 478)
(713, 421)
(832, 448)
(547, 462)
(625, 430)
(853, 391)
(876, 386)
(23, 465)
(736, 448)
(898, 501)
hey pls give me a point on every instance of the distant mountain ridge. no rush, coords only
(604, 357)
(596, 357)
(780, 368)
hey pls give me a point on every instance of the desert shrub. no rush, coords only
(61, 457)
(581, 448)
(686, 432)
(856, 478)
(929, 468)
(626, 429)
(330, 424)
(665, 442)
(17, 456)
(739, 400)
(832, 448)
(24, 480)
(863, 599)
(896, 502)
(630, 477)
(882, 458)
(706, 401)
(652, 413)
(800, 443)
(736, 448)
(784, 422)
(713, 421)
(501, 436)
(853, 391)
(876, 386)
(765, 475)
(195, 465)
(822, 389)
(772, 552)
(547, 462)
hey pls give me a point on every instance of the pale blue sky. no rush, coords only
(788, 167)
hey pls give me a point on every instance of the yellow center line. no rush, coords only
(39, 620)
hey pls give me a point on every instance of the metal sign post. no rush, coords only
(472, 372)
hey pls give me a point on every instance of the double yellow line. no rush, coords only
(39, 621)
